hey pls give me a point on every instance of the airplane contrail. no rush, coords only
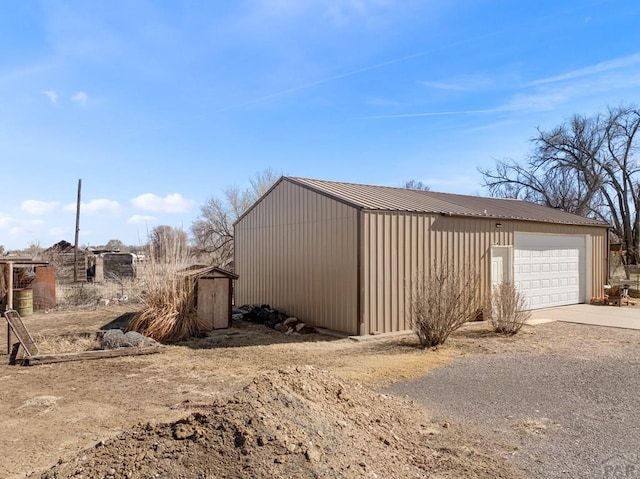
(433, 113)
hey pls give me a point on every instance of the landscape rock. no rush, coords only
(139, 340)
(134, 338)
(291, 321)
(114, 338)
(314, 454)
(264, 314)
(282, 327)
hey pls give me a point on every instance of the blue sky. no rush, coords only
(159, 105)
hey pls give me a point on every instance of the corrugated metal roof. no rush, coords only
(387, 198)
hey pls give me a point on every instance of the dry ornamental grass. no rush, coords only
(169, 309)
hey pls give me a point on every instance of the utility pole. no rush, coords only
(75, 249)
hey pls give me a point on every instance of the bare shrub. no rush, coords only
(506, 310)
(80, 294)
(169, 312)
(444, 298)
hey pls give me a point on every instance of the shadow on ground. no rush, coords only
(239, 334)
(121, 322)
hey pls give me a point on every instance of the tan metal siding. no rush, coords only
(297, 251)
(397, 246)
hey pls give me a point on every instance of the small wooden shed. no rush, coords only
(214, 296)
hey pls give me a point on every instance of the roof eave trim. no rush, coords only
(496, 217)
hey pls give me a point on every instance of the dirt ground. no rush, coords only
(50, 413)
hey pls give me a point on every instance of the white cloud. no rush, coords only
(19, 226)
(552, 95)
(53, 96)
(603, 67)
(36, 207)
(539, 101)
(81, 98)
(141, 219)
(173, 203)
(100, 205)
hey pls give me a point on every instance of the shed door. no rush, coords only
(550, 269)
(213, 302)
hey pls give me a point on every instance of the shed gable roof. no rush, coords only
(385, 198)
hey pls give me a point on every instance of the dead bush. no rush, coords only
(506, 310)
(169, 308)
(444, 298)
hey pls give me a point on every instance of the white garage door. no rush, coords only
(550, 269)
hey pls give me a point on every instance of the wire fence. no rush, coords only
(89, 295)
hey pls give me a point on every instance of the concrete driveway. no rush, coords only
(613, 316)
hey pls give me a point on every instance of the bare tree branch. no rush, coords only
(588, 166)
(213, 229)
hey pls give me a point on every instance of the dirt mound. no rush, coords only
(294, 423)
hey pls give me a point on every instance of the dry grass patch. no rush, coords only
(66, 344)
(241, 351)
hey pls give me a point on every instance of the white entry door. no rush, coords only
(550, 270)
(501, 269)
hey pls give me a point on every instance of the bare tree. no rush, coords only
(587, 166)
(168, 244)
(213, 229)
(415, 185)
(115, 245)
(34, 251)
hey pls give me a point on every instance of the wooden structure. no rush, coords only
(94, 354)
(31, 354)
(617, 295)
(17, 327)
(44, 279)
(71, 265)
(214, 296)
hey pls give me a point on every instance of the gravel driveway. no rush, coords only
(571, 410)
